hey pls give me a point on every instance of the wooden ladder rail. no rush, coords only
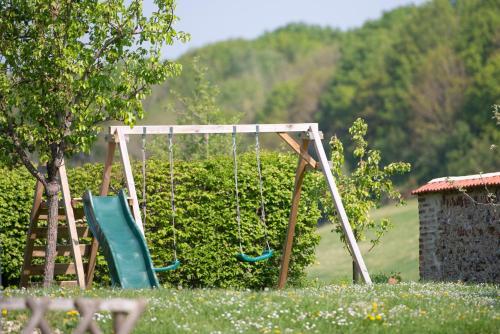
(76, 266)
(30, 242)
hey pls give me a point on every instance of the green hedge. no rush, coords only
(207, 232)
(16, 199)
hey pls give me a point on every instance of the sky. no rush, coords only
(210, 21)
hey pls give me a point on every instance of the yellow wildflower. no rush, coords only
(378, 317)
(370, 317)
(374, 306)
(72, 312)
(4, 312)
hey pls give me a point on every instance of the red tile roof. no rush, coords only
(458, 182)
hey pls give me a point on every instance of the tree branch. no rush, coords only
(22, 154)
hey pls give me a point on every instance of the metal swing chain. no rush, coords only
(261, 187)
(144, 174)
(172, 187)
(235, 164)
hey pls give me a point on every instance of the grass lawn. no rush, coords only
(408, 307)
(401, 308)
(397, 251)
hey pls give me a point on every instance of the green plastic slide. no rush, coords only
(121, 241)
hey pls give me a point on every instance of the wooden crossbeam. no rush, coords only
(212, 129)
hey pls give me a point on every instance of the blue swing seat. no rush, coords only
(247, 258)
(172, 266)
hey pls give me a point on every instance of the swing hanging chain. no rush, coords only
(235, 164)
(261, 187)
(172, 186)
(143, 149)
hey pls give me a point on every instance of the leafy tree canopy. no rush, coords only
(65, 67)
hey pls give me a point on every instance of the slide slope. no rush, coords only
(121, 241)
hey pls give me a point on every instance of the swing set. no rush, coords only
(101, 210)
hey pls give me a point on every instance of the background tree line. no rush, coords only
(423, 77)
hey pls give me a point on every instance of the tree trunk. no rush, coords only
(356, 277)
(52, 190)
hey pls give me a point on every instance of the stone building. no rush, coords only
(460, 228)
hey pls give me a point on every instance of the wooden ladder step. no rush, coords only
(63, 284)
(59, 269)
(77, 212)
(46, 217)
(62, 232)
(75, 203)
(67, 284)
(62, 250)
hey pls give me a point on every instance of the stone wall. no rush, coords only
(459, 236)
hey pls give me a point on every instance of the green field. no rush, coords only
(402, 308)
(397, 252)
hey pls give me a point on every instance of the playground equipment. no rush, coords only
(123, 245)
(309, 133)
(175, 263)
(71, 230)
(268, 252)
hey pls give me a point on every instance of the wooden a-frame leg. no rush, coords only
(106, 180)
(346, 227)
(28, 251)
(106, 176)
(287, 247)
(73, 234)
(129, 178)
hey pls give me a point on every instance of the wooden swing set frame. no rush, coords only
(117, 135)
